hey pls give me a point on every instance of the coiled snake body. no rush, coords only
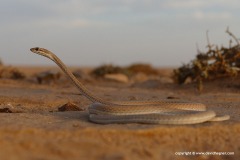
(152, 112)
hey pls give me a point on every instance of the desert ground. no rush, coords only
(34, 125)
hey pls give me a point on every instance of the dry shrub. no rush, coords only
(11, 73)
(217, 62)
(128, 71)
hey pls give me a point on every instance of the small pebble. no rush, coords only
(69, 107)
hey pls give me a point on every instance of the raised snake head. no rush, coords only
(43, 52)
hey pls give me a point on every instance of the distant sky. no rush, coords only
(95, 32)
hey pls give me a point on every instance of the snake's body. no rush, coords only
(153, 112)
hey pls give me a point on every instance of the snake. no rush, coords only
(165, 111)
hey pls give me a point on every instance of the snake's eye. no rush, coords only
(37, 48)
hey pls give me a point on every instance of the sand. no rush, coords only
(36, 130)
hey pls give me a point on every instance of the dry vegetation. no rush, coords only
(217, 62)
(11, 73)
(128, 71)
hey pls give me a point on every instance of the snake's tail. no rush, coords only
(220, 118)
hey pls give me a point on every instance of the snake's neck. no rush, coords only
(77, 83)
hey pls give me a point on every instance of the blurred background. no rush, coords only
(91, 33)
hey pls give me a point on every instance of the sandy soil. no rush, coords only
(36, 130)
